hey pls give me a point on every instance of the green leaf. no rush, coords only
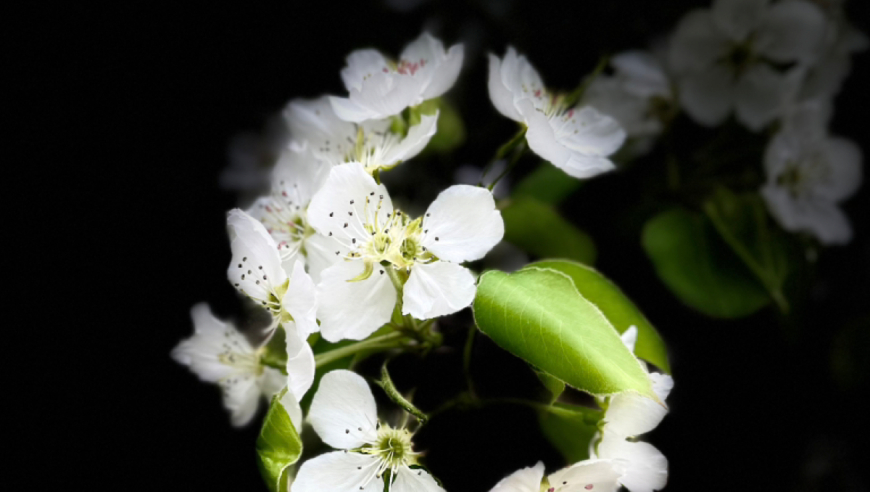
(278, 445)
(548, 184)
(538, 315)
(539, 230)
(451, 130)
(570, 429)
(741, 221)
(698, 267)
(553, 384)
(619, 310)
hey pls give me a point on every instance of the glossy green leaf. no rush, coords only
(539, 230)
(278, 445)
(547, 184)
(554, 385)
(619, 310)
(538, 315)
(570, 429)
(699, 268)
(741, 221)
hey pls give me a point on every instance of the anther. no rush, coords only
(330, 214)
(345, 224)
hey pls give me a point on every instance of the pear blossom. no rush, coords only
(379, 244)
(372, 143)
(588, 475)
(256, 271)
(808, 174)
(379, 87)
(577, 140)
(218, 353)
(725, 58)
(344, 415)
(834, 63)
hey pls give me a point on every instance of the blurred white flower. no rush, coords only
(218, 353)
(588, 475)
(344, 415)
(255, 270)
(809, 173)
(576, 140)
(376, 242)
(379, 87)
(842, 40)
(725, 58)
(314, 125)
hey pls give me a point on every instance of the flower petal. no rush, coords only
(320, 251)
(300, 363)
(294, 411)
(241, 398)
(361, 64)
(629, 337)
(642, 74)
(416, 140)
(792, 31)
(350, 196)
(630, 414)
(845, 163)
(437, 289)
(200, 352)
(597, 475)
(349, 110)
(343, 411)
(255, 269)
(708, 95)
(338, 471)
(697, 43)
(524, 480)
(415, 480)
(500, 95)
(645, 467)
(819, 217)
(300, 301)
(462, 224)
(759, 96)
(738, 18)
(355, 309)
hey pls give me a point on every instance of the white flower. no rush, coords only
(842, 41)
(589, 475)
(638, 95)
(218, 353)
(724, 57)
(808, 174)
(255, 270)
(344, 415)
(576, 140)
(372, 143)
(357, 294)
(629, 415)
(379, 87)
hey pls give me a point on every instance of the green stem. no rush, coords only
(268, 362)
(574, 96)
(516, 157)
(503, 151)
(466, 360)
(388, 341)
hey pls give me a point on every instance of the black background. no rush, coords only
(128, 112)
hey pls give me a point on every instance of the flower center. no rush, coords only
(286, 222)
(393, 447)
(800, 175)
(740, 57)
(371, 149)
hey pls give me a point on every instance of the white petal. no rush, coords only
(349, 196)
(297, 176)
(446, 73)
(845, 164)
(792, 31)
(300, 301)
(758, 96)
(241, 398)
(819, 217)
(343, 411)
(320, 251)
(414, 480)
(598, 475)
(360, 65)
(338, 471)
(271, 382)
(708, 95)
(255, 268)
(645, 467)
(200, 352)
(349, 110)
(697, 43)
(738, 18)
(354, 310)
(662, 385)
(642, 74)
(300, 363)
(502, 98)
(525, 480)
(629, 337)
(314, 123)
(465, 222)
(630, 414)
(416, 140)
(437, 289)
(294, 411)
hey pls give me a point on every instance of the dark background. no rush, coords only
(128, 113)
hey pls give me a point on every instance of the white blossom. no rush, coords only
(379, 87)
(809, 173)
(314, 124)
(344, 415)
(588, 475)
(377, 241)
(724, 57)
(575, 139)
(256, 271)
(218, 353)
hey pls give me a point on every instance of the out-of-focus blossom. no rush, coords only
(379, 87)
(574, 139)
(589, 475)
(727, 58)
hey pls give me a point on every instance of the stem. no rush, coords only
(466, 361)
(578, 92)
(516, 157)
(388, 341)
(268, 362)
(503, 151)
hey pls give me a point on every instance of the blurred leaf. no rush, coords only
(698, 267)
(547, 184)
(278, 445)
(742, 223)
(553, 384)
(450, 132)
(619, 310)
(570, 429)
(538, 315)
(539, 230)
